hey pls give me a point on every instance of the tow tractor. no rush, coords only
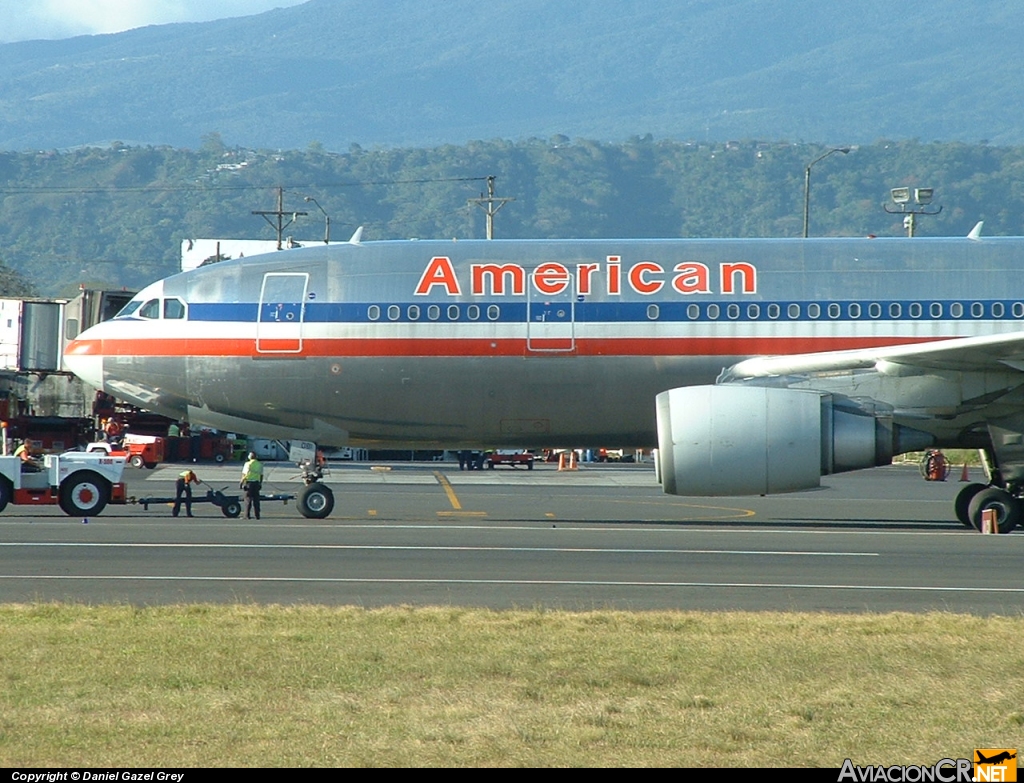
(141, 451)
(81, 484)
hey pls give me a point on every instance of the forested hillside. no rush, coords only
(117, 215)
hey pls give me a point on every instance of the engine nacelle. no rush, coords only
(757, 440)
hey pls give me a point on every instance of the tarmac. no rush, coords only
(604, 536)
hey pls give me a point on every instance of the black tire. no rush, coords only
(1008, 508)
(962, 504)
(218, 458)
(529, 465)
(316, 501)
(84, 493)
(231, 510)
(490, 465)
(149, 465)
(6, 492)
(137, 461)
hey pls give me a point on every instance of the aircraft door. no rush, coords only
(281, 312)
(551, 321)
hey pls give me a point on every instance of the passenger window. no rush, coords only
(814, 310)
(834, 310)
(874, 310)
(753, 312)
(473, 312)
(653, 311)
(915, 310)
(773, 311)
(433, 312)
(956, 310)
(997, 310)
(493, 312)
(793, 311)
(935, 310)
(453, 312)
(151, 309)
(174, 308)
(895, 311)
(713, 312)
(1018, 310)
(693, 312)
(413, 312)
(733, 311)
(854, 310)
(977, 309)
(373, 312)
(394, 312)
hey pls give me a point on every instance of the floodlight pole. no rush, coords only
(807, 184)
(901, 197)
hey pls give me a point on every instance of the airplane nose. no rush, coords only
(88, 367)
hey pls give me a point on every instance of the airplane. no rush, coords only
(996, 759)
(755, 366)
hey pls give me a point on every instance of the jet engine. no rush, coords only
(757, 440)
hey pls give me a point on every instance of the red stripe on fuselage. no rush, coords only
(612, 346)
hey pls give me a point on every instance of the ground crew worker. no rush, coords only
(183, 488)
(252, 482)
(28, 462)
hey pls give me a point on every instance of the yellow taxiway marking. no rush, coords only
(446, 485)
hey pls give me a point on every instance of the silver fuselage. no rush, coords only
(522, 343)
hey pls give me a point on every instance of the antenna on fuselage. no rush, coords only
(976, 231)
(357, 237)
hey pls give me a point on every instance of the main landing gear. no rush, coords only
(974, 499)
(315, 500)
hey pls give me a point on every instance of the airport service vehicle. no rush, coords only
(82, 484)
(509, 457)
(754, 365)
(141, 451)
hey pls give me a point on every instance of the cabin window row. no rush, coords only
(850, 310)
(451, 312)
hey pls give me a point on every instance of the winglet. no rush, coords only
(357, 237)
(976, 231)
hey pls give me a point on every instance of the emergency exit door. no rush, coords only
(281, 312)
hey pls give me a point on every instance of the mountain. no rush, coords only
(414, 72)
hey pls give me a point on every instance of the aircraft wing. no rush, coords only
(997, 352)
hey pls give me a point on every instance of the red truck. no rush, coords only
(511, 458)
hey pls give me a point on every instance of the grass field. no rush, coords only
(259, 686)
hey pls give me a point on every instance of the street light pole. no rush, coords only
(327, 219)
(807, 184)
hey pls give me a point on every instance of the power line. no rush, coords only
(211, 188)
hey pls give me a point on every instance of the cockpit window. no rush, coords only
(151, 309)
(174, 308)
(128, 309)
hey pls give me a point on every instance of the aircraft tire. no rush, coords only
(6, 492)
(962, 504)
(84, 493)
(1008, 509)
(316, 501)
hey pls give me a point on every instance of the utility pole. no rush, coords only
(279, 225)
(490, 205)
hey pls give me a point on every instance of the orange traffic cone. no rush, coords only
(964, 475)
